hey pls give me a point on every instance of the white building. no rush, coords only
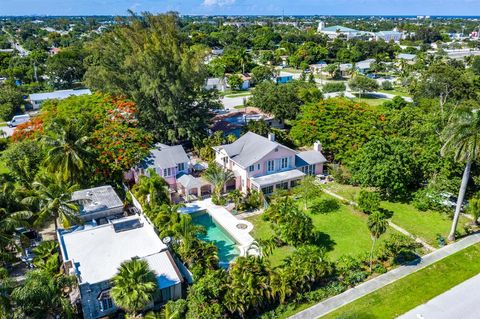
(93, 253)
(36, 99)
(337, 30)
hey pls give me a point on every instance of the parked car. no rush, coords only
(18, 119)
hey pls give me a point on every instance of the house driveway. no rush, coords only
(459, 302)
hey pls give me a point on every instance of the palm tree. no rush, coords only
(186, 231)
(68, 152)
(377, 224)
(8, 223)
(218, 177)
(151, 190)
(280, 282)
(133, 286)
(462, 137)
(52, 199)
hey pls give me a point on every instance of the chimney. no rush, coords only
(271, 137)
(317, 146)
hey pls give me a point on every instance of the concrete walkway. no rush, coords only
(393, 225)
(376, 283)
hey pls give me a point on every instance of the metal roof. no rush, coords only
(277, 177)
(63, 94)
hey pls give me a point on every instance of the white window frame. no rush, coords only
(251, 168)
(272, 164)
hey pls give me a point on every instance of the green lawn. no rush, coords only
(395, 92)
(237, 94)
(415, 289)
(3, 168)
(344, 232)
(426, 225)
(374, 102)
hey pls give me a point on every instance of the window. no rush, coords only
(251, 168)
(267, 190)
(105, 301)
(270, 166)
(284, 163)
(258, 166)
(309, 170)
(283, 185)
(181, 166)
(167, 172)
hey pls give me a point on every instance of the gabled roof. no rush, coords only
(97, 199)
(164, 156)
(249, 148)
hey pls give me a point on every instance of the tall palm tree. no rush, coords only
(133, 286)
(462, 137)
(377, 225)
(67, 152)
(52, 200)
(218, 177)
(186, 231)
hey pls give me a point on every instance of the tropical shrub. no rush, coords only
(387, 85)
(333, 87)
(368, 202)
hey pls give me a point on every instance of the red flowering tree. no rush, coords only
(28, 130)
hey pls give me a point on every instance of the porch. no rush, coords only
(282, 180)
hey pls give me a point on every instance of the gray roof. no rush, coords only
(406, 56)
(249, 148)
(391, 32)
(309, 158)
(164, 157)
(214, 81)
(97, 199)
(63, 94)
(278, 177)
(339, 28)
(188, 181)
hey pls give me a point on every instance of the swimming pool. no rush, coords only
(227, 247)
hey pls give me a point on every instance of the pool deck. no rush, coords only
(225, 219)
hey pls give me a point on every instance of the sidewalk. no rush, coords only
(367, 287)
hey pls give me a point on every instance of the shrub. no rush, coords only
(398, 249)
(334, 87)
(387, 85)
(325, 205)
(368, 202)
(254, 200)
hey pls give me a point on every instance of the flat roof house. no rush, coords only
(261, 163)
(388, 36)
(36, 99)
(337, 30)
(93, 254)
(98, 202)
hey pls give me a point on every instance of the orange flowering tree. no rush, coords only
(119, 143)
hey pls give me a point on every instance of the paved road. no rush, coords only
(8, 130)
(459, 302)
(333, 303)
(229, 103)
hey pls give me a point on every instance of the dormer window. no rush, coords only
(105, 301)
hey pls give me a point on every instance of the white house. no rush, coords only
(93, 253)
(388, 36)
(216, 84)
(36, 99)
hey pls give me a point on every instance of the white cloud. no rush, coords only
(218, 3)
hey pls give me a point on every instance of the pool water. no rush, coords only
(227, 248)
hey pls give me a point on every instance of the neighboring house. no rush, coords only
(337, 30)
(388, 36)
(247, 79)
(261, 163)
(36, 99)
(318, 67)
(169, 162)
(407, 57)
(216, 84)
(281, 79)
(362, 67)
(99, 202)
(93, 253)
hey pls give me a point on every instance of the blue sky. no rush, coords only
(243, 7)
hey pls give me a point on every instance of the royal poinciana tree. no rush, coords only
(148, 60)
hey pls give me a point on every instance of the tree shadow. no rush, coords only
(324, 240)
(386, 212)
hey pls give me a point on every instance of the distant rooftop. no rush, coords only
(63, 94)
(339, 28)
(97, 251)
(97, 199)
